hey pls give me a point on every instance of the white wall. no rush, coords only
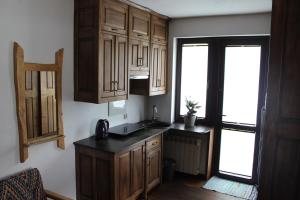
(42, 27)
(235, 25)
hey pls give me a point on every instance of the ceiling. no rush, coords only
(192, 8)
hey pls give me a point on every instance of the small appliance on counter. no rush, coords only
(126, 129)
(102, 127)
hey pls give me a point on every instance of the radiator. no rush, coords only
(188, 152)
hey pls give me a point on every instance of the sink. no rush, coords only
(157, 124)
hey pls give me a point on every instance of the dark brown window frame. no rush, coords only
(208, 120)
(215, 81)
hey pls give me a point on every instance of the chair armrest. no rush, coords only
(55, 196)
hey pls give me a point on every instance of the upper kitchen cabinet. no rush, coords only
(113, 68)
(139, 24)
(159, 29)
(114, 17)
(156, 83)
(114, 40)
(158, 71)
(101, 56)
(139, 57)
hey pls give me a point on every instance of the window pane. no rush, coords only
(237, 150)
(194, 76)
(241, 84)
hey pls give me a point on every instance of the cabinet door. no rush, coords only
(124, 176)
(139, 23)
(158, 29)
(144, 56)
(139, 56)
(153, 168)
(137, 167)
(154, 67)
(134, 55)
(158, 75)
(106, 67)
(94, 174)
(162, 70)
(114, 16)
(121, 67)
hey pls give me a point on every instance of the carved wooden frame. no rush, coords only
(19, 75)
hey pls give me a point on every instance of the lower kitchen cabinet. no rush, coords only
(125, 175)
(138, 170)
(131, 173)
(153, 173)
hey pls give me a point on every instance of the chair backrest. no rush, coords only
(26, 185)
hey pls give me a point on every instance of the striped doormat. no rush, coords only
(232, 188)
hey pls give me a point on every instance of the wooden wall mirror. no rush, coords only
(38, 99)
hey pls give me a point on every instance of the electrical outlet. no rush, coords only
(125, 116)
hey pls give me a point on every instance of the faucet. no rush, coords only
(154, 113)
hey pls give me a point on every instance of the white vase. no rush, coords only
(189, 121)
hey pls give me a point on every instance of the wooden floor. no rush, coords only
(186, 190)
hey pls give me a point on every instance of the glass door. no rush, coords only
(241, 100)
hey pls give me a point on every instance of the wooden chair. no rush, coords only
(26, 185)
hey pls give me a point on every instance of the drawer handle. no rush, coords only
(114, 29)
(140, 35)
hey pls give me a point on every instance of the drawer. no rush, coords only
(153, 143)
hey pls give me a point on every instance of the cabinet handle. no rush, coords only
(158, 82)
(154, 143)
(140, 62)
(139, 35)
(114, 83)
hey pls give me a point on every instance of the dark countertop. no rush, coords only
(116, 144)
(195, 130)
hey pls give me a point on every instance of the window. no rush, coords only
(241, 84)
(194, 75)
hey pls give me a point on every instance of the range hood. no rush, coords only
(138, 76)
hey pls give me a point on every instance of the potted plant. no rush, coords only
(190, 117)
